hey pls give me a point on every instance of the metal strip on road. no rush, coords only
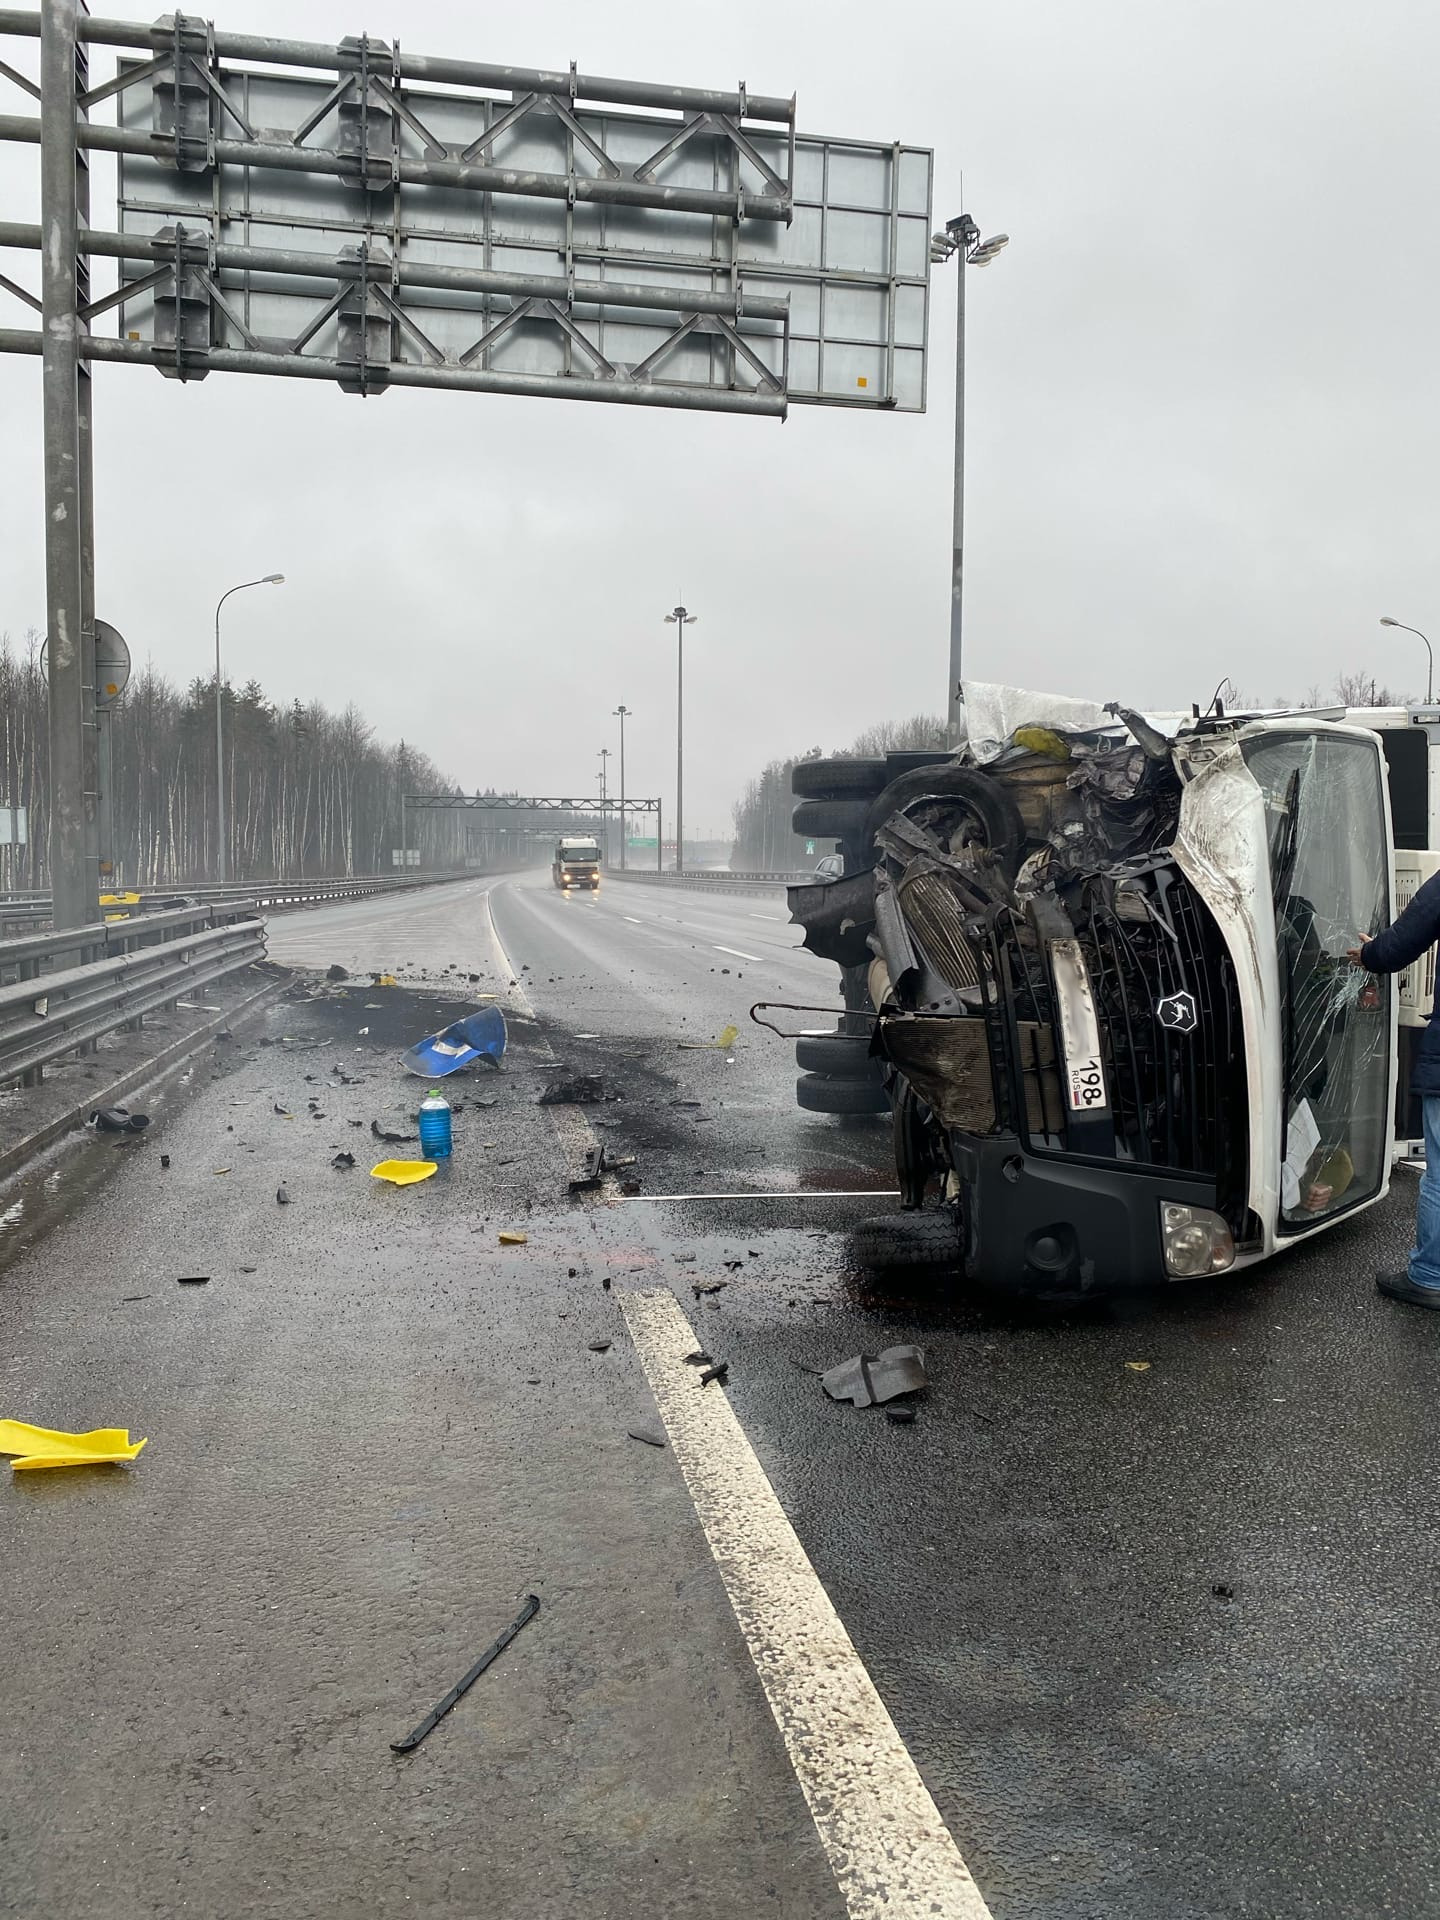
(888, 1848)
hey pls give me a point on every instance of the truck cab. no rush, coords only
(1108, 992)
(576, 862)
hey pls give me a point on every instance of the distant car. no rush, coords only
(832, 867)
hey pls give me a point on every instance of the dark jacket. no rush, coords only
(1417, 929)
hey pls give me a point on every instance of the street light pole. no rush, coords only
(620, 712)
(266, 580)
(1386, 621)
(960, 241)
(678, 620)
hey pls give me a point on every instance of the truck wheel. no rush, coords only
(821, 1093)
(928, 1237)
(844, 1056)
(830, 819)
(983, 797)
(837, 779)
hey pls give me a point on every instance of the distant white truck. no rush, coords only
(577, 861)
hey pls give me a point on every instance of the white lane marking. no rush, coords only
(829, 1193)
(739, 955)
(888, 1848)
(631, 918)
(772, 919)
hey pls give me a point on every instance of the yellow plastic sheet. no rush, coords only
(404, 1173)
(44, 1447)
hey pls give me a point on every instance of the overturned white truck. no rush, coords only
(1095, 965)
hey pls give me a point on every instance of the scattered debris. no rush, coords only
(389, 1136)
(685, 1103)
(249, 1269)
(126, 1298)
(866, 1382)
(584, 1090)
(197, 1006)
(383, 980)
(685, 1256)
(722, 1044)
(1138, 1366)
(817, 1372)
(651, 1436)
(337, 972)
(601, 1346)
(217, 1171)
(514, 1239)
(165, 1160)
(592, 1173)
(403, 1173)
(282, 1197)
(732, 1266)
(283, 1112)
(720, 1371)
(1222, 1590)
(46, 1447)
(478, 1035)
(193, 1279)
(903, 1414)
(699, 1358)
(462, 1687)
(699, 1287)
(628, 1160)
(605, 1284)
(630, 1187)
(343, 1162)
(118, 1120)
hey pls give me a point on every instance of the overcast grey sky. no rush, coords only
(1203, 413)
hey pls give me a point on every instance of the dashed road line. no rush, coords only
(738, 954)
(631, 918)
(888, 1848)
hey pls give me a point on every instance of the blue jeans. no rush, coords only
(1425, 1254)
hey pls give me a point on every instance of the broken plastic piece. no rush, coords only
(337, 972)
(282, 1197)
(592, 1173)
(403, 1173)
(389, 1136)
(903, 1414)
(478, 1035)
(722, 1043)
(45, 1447)
(514, 1239)
(118, 1120)
(600, 1346)
(462, 1687)
(651, 1436)
(192, 1279)
(866, 1382)
(718, 1372)
(343, 1162)
(699, 1358)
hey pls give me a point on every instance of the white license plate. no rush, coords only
(1079, 1030)
(1087, 1084)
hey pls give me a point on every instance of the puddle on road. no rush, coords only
(55, 1189)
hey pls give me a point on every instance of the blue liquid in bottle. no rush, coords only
(435, 1126)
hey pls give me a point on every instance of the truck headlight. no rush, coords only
(1196, 1241)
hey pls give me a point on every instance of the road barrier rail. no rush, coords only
(21, 908)
(710, 882)
(62, 992)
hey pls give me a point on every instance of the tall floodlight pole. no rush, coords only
(620, 713)
(679, 619)
(960, 241)
(1386, 621)
(266, 580)
(73, 886)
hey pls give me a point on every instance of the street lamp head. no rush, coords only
(1386, 621)
(273, 580)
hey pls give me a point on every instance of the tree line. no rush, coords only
(309, 793)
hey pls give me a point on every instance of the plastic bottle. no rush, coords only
(435, 1126)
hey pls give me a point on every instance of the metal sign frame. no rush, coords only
(546, 803)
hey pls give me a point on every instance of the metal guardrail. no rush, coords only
(19, 909)
(125, 969)
(707, 882)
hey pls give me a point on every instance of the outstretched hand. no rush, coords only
(1352, 954)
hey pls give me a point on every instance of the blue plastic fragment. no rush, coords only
(478, 1036)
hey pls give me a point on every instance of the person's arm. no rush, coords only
(1417, 928)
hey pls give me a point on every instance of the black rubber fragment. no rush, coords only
(462, 1687)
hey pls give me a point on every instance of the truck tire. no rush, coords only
(994, 810)
(843, 1056)
(830, 819)
(822, 1093)
(926, 1237)
(838, 779)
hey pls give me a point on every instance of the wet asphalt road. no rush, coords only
(1148, 1590)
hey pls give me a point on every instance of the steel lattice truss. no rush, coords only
(406, 220)
(513, 803)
